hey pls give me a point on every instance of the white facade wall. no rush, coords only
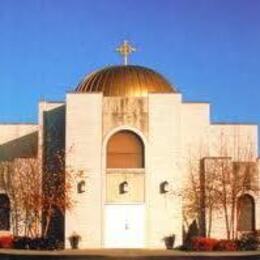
(176, 132)
(83, 153)
(11, 132)
(18, 140)
(164, 211)
(201, 139)
(195, 122)
(239, 141)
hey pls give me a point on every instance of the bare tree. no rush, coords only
(215, 186)
(21, 183)
(35, 197)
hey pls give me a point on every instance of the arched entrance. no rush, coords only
(245, 213)
(4, 212)
(124, 216)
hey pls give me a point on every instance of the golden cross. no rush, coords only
(125, 49)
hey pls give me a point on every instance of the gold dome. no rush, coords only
(125, 81)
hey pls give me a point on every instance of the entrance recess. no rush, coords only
(124, 226)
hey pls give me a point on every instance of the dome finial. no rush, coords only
(125, 49)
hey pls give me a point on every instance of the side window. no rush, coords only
(245, 213)
(4, 212)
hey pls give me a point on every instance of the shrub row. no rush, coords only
(6, 241)
(245, 243)
(29, 243)
(210, 244)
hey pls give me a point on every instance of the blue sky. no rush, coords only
(209, 48)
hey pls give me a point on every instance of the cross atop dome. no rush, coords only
(125, 49)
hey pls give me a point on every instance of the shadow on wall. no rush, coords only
(53, 164)
(54, 138)
(22, 147)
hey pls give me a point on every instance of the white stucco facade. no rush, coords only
(172, 132)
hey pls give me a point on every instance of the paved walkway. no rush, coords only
(153, 254)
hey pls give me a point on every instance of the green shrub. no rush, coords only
(247, 242)
(38, 243)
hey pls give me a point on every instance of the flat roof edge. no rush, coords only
(19, 123)
(234, 123)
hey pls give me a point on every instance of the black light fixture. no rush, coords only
(123, 187)
(164, 187)
(81, 187)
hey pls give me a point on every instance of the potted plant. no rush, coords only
(169, 241)
(74, 239)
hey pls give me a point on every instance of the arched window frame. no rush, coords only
(141, 144)
(239, 198)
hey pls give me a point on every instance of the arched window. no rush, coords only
(4, 212)
(125, 149)
(245, 213)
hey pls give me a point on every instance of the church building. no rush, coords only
(129, 133)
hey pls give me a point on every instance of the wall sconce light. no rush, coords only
(164, 187)
(81, 187)
(123, 187)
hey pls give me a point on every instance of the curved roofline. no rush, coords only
(125, 80)
(122, 66)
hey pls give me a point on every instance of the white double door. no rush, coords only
(124, 226)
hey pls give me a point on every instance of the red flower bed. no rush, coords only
(225, 245)
(6, 241)
(203, 244)
(210, 244)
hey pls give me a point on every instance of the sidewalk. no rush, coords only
(123, 254)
